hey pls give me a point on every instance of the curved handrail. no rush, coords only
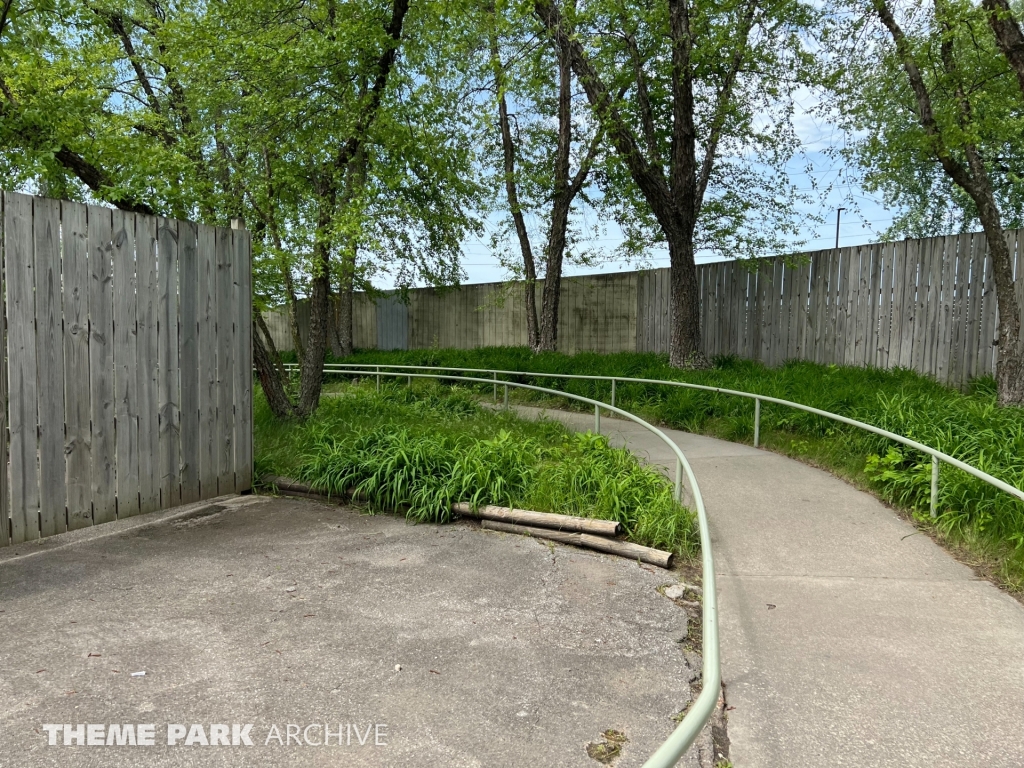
(700, 712)
(936, 455)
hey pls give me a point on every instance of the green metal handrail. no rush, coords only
(937, 456)
(700, 712)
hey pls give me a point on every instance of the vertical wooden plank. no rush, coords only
(837, 285)
(21, 351)
(800, 317)
(819, 273)
(828, 305)
(945, 308)
(5, 499)
(973, 296)
(77, 417)
(126, 364)
(911, 270)
(775, 297)
(207, 261)
(188, 358)
(934, 306)
(897, 267)
(148, 354)
(168, 391)
(754, 314)
(786, 307)
(225, 365)
(771, 311)
(921, 304)
(862, 309)
(958, 334)
(989, 321)
(874, 306)
(242, 308)
(49, 365)
(101, 364)
(765, 274)
(852, 259)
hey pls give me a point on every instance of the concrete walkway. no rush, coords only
(848, 638)
(470, 648)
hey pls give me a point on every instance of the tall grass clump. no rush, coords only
(968, 425)
(418, 450)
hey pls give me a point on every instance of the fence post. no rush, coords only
(757, 421)
(410, 381)
(679, 482)
(597, 419)
(613, 393)
(506, 396)
(496, 389)
(935, 486)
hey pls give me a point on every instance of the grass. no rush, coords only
(986, 526)
(419, 450)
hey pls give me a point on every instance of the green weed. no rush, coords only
(965, 424)
(420, 449)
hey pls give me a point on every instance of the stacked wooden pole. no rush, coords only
(565, 529)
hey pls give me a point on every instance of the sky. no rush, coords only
(481, 265)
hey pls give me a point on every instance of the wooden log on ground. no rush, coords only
(287, 484)
(622, 548)
(541, 519)
(289, 487)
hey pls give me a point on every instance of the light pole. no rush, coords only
(838, 212)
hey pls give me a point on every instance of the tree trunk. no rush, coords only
(275, 356)
(561, 204)
(319, 311)
(1010, 360)
(548, 341)
(270, 375)
(686, 349)
(512, 193)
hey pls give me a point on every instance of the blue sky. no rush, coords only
(862, 222)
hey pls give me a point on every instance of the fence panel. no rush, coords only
(104, 318)
(928, 305)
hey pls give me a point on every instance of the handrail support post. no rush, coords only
(935, 487)
(378, 378)
(613, 393)
(757, 422)
(679, 482)
(597, 419)
(506, 397)
(495, 388)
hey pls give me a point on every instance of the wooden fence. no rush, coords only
(128, 365)
(928, 305)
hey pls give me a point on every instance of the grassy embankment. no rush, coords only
(422, 449)
(984, 526)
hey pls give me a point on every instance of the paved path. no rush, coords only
(848, 639)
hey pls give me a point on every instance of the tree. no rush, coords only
(706, 88)
(931, 93)
(537, 153)
(262, 110)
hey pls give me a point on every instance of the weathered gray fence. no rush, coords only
(928, 305)
(128, 365)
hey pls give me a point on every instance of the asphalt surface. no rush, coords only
(433, 646)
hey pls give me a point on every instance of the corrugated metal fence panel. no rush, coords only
(105, 348)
